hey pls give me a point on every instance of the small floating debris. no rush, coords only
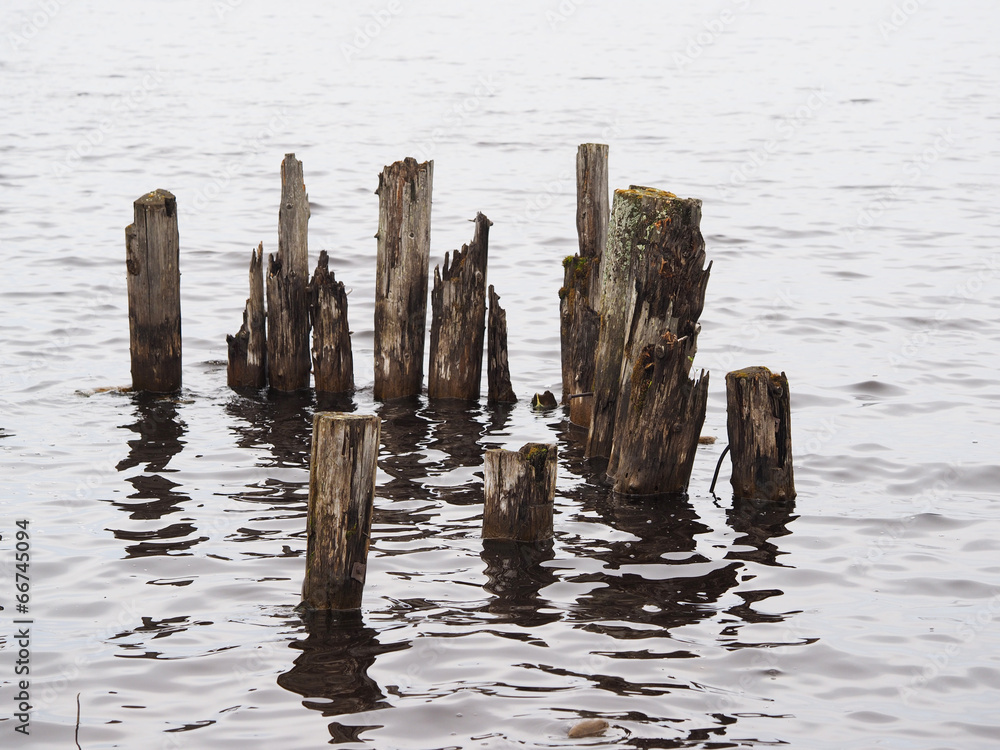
(706, 440)
(88, 392)
(588, 728)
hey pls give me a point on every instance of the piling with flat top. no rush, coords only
(341, 496)
(520, 489)
(404, 246)
(760, 435)
(458, 319)
(333, 360)
(287, 278)
(152, 259)
(499, 390)
(248, 348)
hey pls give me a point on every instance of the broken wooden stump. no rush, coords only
(404, 246)
(152, 259)
(520, 489)
(760, 435)
(579, 297)
(333, 361)
(287, 277)
(458, 319)
(341, 496)
(499, 390)
(544, 401)
(248, 348)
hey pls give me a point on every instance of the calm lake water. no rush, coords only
(848, 157)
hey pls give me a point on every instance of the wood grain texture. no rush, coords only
(519, 493)
(248, 348)
(499, 390)
(332, 357)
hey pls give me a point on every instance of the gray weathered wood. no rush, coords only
(760, 434)
(404, 246)
(248, 348)
(333, 360)
(341, 496)
(287, 278)
(499, 390)
(519, 492)
(458, 319)
(152, 260)
(592, 199)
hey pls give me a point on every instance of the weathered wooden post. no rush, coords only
(287, 278)
(248, 348)
(520, 489)
(499, 390)
(341, 496)
(458, 319)
(333, 360)
(579, 317)
(404, 247)
(760, 434)
(152, 259)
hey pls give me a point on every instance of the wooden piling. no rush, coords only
(458, 319)
(248, 348)
(760, 435)
(519, 491)
(499, 390)
(152, 259)
(287, 277)
(333, 361)
(341, 496)
(404, 236)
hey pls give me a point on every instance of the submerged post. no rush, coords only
(458, 319)
(520, 489)
(760, 436)
(404, 246)
(333, 360)
(287, 277)
(499, 390)
(248, 348)
(152, 259)
(341, 497)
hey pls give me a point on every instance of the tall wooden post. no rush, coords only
(404, 246)
(458, 320)
(519, 489)
(287, 278)
(152, 259)
(333, 360)
(499, 390)
(579, 317)
(341, 496)
(248, 348)
(760, 434)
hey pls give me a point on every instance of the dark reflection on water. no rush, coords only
(516, 576)
(331, 673)
(759, 521)
(279, 422)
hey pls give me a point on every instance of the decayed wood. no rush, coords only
(579, 318)
(152, 259)
(760, 434)
(248, 348)
(659, 409)
(341, 495)
(333, 361)
(499, 390)
(287, 277)
(458, 319)
(519, 491)
(404, 246)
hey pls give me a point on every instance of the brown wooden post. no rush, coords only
(660, 410)
(287, 278)
(248, 348)
(760, 434)
(520, 489)
(404, 246)
(499, 390)
(152, 259)
(579, 317)
(341, 496)
(333, 360)
(458, 320)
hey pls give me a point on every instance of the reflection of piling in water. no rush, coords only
(515, 577)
